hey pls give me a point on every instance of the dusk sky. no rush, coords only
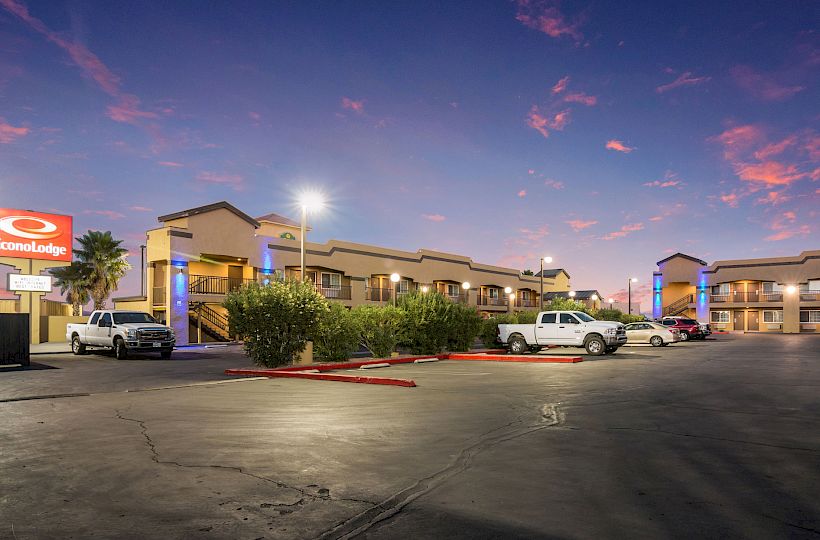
(607, 135)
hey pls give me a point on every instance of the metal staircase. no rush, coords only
(213, 323)
(678, 306)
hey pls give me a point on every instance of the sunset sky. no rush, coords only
(604, 134)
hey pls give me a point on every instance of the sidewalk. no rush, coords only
(59, 347)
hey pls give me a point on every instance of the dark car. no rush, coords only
(688, 328)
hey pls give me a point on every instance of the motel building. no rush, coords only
(780, 294)
(197, 256)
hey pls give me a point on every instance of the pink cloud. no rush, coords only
(769, 173)
(355, 106)
(785, 227)
(544, 16)
(685, 79)
(561, 85)
(656, 218)
(618, 146)
(731, 199)
(670, 179)
(774, 198)
(127, 110)
(233, 180)
(775, 149)
(554, 184)
(140, 209)
(110, 214)
(579, 225)
(170, 164)
(9, 133)
(580, 97)
(522, 193)
(535, 235)
(543, 124)
(739, 139)
(531, 171)
(438, 218)
(623, 231)
(761, 86)
(255, 116)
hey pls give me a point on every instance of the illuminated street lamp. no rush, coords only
(395, 278)
(424, 288)
(629, 287)
(611, 301)
(571, 294)
(309, 201)
(466, 287)
(791, 289)
(547, 260)
(594, 299)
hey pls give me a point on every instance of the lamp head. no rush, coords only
(311, 200)
(634, 280)
(424, 288)
(395, 278)
(572, 294)
(466, 285)
(594, 297)
(547, 259)
(507, 290)
(790, 289)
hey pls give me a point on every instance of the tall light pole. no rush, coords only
(466, 287)
(629, 294)
(541, 273)
(309, 200)
(611, 301)
(142, 271)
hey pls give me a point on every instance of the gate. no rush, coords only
(14, 339)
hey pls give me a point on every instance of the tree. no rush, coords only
(275, 321)
(106, 261)
(425, 321)
(337, 334)
(463, 325)
(74, 281)
(528, 272)
(380, 328)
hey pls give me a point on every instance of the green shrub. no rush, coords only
(609, 315)
(337, 334)
(527, 317)
(626, 318)
(425, 322)
(489, 328)
(275, 321)
(565, 304)
(463, 326)
(380, 328)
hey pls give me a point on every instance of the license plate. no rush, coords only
(155, 344)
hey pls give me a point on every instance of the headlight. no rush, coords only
(611, 330)
(131, 334)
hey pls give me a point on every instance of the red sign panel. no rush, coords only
(32, 235)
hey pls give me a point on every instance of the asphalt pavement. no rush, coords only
(716, 439)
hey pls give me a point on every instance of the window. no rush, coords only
(105, 320)
(452, 290)
(95, 318)
(403, 286)
(770, 287)
(583, 316)
(668, 322)
(814, 284)
(331, 281)
(135, 317)
(720, 316)
(525, 295)
(492, 293)
(566, 318)
(810, 316)
(548, 318)
(773, 316)
(720, 289)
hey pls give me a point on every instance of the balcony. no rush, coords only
(335, 293)
(492, 301)
(809, 296)
(215, 284)
(742, 297)
(526, 302)
(771, 297)
(158, 296)
(379, 294)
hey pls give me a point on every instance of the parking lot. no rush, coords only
(702, 439)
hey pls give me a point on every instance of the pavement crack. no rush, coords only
(550, 416)
(155, 457)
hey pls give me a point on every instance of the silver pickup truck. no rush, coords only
(563, 328)
(122, 331)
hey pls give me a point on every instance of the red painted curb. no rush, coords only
(271, 373)
(524, 359)
(354, 365)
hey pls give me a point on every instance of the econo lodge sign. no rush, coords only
(33, 235)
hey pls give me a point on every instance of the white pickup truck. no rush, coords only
(122, 331)
(563, 328)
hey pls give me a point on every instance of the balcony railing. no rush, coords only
(492, 301)
(525, 302)
(809, 296)
(717, 298)
(771, 297)
(742, 296)
(214, 284)
(335, 293)
(379, 294)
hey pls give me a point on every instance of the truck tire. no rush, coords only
(656, 341)
(518, 345)
(120, 351)
(595, 345)
(77, 346)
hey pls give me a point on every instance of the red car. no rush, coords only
(688, 328)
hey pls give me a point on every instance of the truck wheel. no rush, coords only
(518, 345)
(656, 341)
(684, 336)
(119, 349)
(77, 347)
(595, 346)
(165, 355)
(611, 350)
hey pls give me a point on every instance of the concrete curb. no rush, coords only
(322, 377)
(522, 359)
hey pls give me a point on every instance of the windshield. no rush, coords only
(583, 316)
(124, 318)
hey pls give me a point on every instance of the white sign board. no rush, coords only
(26, 283)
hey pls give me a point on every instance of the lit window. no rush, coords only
(331, 281)
(810, 316)
(452, 290)
(492, 293)
(720, 316)
(773, 316)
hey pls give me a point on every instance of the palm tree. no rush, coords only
(106, 261)
(76, 281)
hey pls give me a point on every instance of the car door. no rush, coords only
(568, 330)
(546, 330)
(103, 336)
(634, 333)
(91, 329)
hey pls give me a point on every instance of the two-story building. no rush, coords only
(778, 294)
(198, 255)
